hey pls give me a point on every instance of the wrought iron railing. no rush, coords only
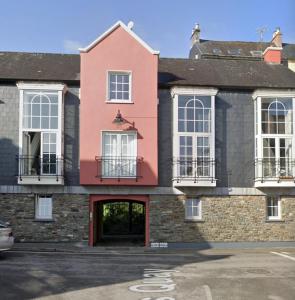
(39, 166)
(267, 169)
(119, 167)
(193, 169)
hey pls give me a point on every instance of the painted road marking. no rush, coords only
(208, 292)
(284, 255)
(285, 252)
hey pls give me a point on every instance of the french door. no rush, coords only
(119, 154)
(194, 156)
(277, 157)
(48, 153)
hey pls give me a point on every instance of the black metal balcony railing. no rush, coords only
(119, 167)
(274, 169)
(38, 166)
(194, 169)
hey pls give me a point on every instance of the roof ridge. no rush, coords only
(42, 53)
(246, 42)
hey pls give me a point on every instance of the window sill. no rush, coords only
(119, 102)
(274, 221)
(194, 221)
(44, 220)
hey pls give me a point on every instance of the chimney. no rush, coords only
(277, 38)
(273, 53)
(196, 34)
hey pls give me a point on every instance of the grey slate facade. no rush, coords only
(234, 138)
(9, 124)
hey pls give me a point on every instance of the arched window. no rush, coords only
(194, 114)
(276, 116)
(40, 110)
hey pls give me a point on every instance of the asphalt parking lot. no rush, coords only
(208, 274)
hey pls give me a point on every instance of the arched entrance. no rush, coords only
(119, 220)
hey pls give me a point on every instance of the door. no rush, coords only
(119, 155)
(194, 156)
(277, 154)
(48, 153)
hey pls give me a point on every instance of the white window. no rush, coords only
(273, 208)
(43, 208)
(119, 86)
(274, 138)
(40, 134)
(194, 147)
(119, 152)
(193, 209)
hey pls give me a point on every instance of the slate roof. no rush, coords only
(203, 72)
(224, 73)
(236, 49)
(39, 66)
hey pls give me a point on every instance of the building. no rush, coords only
(240, 50)
(117, 143)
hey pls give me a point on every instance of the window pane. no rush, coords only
(45, 109)
(45, 123)
(36, 109)
(53, 122)
(36, 122)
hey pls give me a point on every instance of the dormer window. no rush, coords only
(119, 86)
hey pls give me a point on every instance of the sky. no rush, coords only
(62, 26)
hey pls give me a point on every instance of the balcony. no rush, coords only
(271, 172)
(40, 170)
(194, 172)
(119, 167)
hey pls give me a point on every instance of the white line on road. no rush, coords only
(284, 255)
(208, 292)
(285, 252)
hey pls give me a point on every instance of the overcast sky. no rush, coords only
(64, 25)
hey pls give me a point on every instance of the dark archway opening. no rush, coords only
(120, 223)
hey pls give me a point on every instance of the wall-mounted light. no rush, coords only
(119, 120)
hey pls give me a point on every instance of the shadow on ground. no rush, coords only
(31, 275)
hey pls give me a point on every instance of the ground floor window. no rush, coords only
(193, 209)
(43, 207)
(273, 208)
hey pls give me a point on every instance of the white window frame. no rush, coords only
(119, 132)
(279, 206)
(207, 92)
(60, 89)
(119, 72)
(199, 206)
(39, 207)
(257, 96)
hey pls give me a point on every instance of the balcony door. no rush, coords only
(119, 154)
(194, 156)
(277, 157)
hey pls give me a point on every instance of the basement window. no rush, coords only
(43, 208)
(273, 208)
(193, 209)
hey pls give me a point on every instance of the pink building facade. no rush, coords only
(118, 122)
(118, 128)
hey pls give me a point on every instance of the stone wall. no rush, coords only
(224, 219)
(70, 218)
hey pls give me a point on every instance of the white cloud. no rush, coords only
(71, 46)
